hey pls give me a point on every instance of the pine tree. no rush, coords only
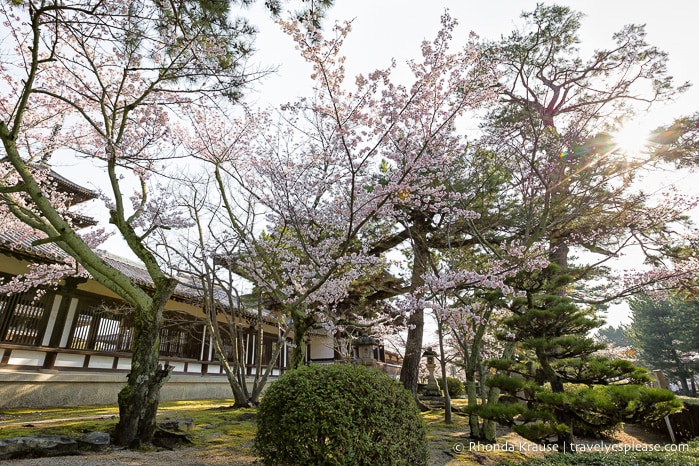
(559, 386)
(666, 334)
(553, 132)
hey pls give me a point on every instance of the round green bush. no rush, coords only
(454, 385)
(339, 415)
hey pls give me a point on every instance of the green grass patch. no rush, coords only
(218, 428)
(73, 428)
(29, 415)
(75, 421)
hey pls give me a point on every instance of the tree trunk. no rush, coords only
(488, 431)
(489, 428)
(472, 362)
(234, 367)
(443, 366)
(566, 440)
(410, 371)
(473, 421)
(139, 399)
(302, 323)
(260, 382)
(260, 379)
(240, 398)
(297, 356)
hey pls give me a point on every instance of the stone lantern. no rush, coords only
(432, 388)
(365, 347)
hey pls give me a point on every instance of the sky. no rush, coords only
(393, 29)
(386, 29)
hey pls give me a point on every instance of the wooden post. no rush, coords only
(661, 382)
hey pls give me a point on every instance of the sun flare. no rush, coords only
(632, 138)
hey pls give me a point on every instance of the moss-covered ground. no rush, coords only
(215, 424)
(221, 431)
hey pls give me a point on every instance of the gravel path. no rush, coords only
(184, 457)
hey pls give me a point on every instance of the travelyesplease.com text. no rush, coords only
(579, 447)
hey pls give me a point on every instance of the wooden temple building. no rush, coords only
(71, 345)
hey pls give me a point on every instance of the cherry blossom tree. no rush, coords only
(102, 80)
(444, 295)
(463, 286)
(311, 189)
(200, 253)
(472, 334)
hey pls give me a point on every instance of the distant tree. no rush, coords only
(617, 336)
(666, 333)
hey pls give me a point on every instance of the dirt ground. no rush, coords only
(185, 457)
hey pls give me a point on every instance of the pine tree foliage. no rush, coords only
(557, 385)
(666, 333)
(552, 132)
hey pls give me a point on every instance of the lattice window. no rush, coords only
(22, 318)
(180, 336)
(99, 328)
(269, 341)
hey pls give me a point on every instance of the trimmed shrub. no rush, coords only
(339, 415)
(454, 385)
(685, 423)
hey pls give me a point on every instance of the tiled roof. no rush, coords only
(186, 290)
(21, 243)
(136, 272)
(139, 275)
(80, 193)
